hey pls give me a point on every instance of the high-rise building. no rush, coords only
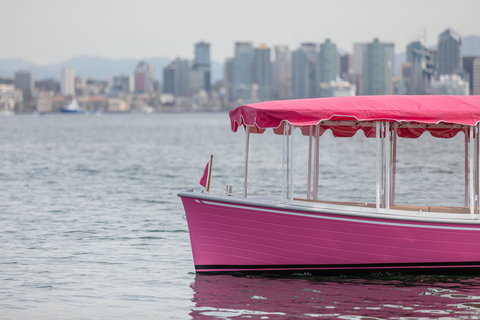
(263, 72)
(120, 84)
(242, 71)
(377, 68)
(358, 50)
(328, 62)
(144, 77)
(201, 67)
(281, 73)
(346, 66)
(182, 67)
(67, 84)
(304, 71)
(300, 74)
(476, 77)
(449, 55)
(176, 78)
(24, 81)
(467, 63)
(390, 54)
(421, 68)
(312, 56)
(357, 66)
(227, 78)
(169, 79)
(202, 54)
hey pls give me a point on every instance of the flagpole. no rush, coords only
(209, 172)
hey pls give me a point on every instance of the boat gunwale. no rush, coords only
(339, 210)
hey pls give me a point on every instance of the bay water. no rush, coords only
(91, 226)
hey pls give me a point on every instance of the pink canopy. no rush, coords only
(415, 114)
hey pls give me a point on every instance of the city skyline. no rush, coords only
(53, 31)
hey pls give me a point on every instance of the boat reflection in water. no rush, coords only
(421, 297)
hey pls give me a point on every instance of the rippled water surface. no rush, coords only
(91, 227)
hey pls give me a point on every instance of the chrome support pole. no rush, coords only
(287, 156)
(471, 152)
(378, 164)
(466, 167)
(316, 171)
(309, 174)
(388, 167)
(292, 154)
(247, 144)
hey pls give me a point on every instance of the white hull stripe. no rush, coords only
(395, 224)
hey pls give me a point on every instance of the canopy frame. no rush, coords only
(381, 117)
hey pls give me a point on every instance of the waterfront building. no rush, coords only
(337, 88)
(242, 71)
(263, 73)
(10, 97)
(282, 73)
(143, 77)
(449, 84)
(117, 105)
(328, 66)
(67, 82)
(44, 104)
(24, 81)
(449, 55)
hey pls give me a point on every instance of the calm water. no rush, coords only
(91, 227)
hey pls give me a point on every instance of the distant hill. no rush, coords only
(102, 68)
(92, 67)
(85, 66)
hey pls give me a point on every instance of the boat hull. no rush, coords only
(73, 111)
(244, 236)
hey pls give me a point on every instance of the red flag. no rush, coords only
(204, 179)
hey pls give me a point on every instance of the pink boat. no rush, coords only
(306, 233)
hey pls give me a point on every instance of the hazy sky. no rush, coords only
(50, 31)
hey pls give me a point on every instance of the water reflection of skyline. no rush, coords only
(229, 297)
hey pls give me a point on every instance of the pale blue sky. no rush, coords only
(50, 31)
